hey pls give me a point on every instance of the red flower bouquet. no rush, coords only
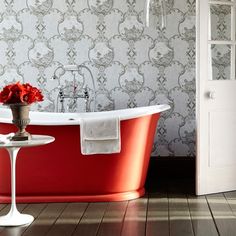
(20, 93)
(19, 97)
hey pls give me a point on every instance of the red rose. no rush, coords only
(20, 93)
(6, 94)
(17, 94)
(32, 94)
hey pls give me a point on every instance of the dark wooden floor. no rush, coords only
(168, 209)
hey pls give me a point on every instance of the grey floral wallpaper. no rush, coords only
(132, 65)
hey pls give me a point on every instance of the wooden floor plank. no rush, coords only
(230, 195)
(2, 206)
(223, 215)
(89, 224)
(135, 218)
(168, 212)
(45, 220)
(68, 220)
(32, 209)
(179, 215)
(157, 215)
(202, 221)
(231, 199)
(113, 219)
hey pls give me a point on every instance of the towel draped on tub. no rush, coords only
(100, 136)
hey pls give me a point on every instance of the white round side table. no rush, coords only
(14, 217)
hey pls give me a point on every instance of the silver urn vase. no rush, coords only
(20, 114)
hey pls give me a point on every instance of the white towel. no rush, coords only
(6, 138)
(100, 136)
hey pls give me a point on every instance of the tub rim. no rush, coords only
(52, 118)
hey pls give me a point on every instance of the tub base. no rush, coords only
(77, 198)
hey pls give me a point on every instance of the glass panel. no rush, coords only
(221, 66)
(220, 22)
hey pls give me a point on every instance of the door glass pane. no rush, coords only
(220, 61)
(220, 19)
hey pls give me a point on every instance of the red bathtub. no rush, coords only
(58, 172)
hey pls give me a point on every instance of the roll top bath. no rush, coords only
(100, 136)
(122, 140)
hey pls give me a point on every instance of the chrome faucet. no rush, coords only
(62, 96)
(75, 96)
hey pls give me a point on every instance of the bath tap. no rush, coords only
(55, 73)
(75, 96)
(86, 98)
(62, 96)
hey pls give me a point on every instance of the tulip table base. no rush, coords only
(14, 217)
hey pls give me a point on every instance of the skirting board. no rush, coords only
(171, 167)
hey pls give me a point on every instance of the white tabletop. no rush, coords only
(36, 140)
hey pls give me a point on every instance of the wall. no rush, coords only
(132, 65)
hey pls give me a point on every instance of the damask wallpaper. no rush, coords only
(132, 65)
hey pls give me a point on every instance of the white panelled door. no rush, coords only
(216, 96)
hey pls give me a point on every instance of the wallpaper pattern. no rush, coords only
(132, 65)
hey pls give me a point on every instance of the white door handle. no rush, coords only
(212, 94)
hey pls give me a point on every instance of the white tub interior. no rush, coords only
(50, 118)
